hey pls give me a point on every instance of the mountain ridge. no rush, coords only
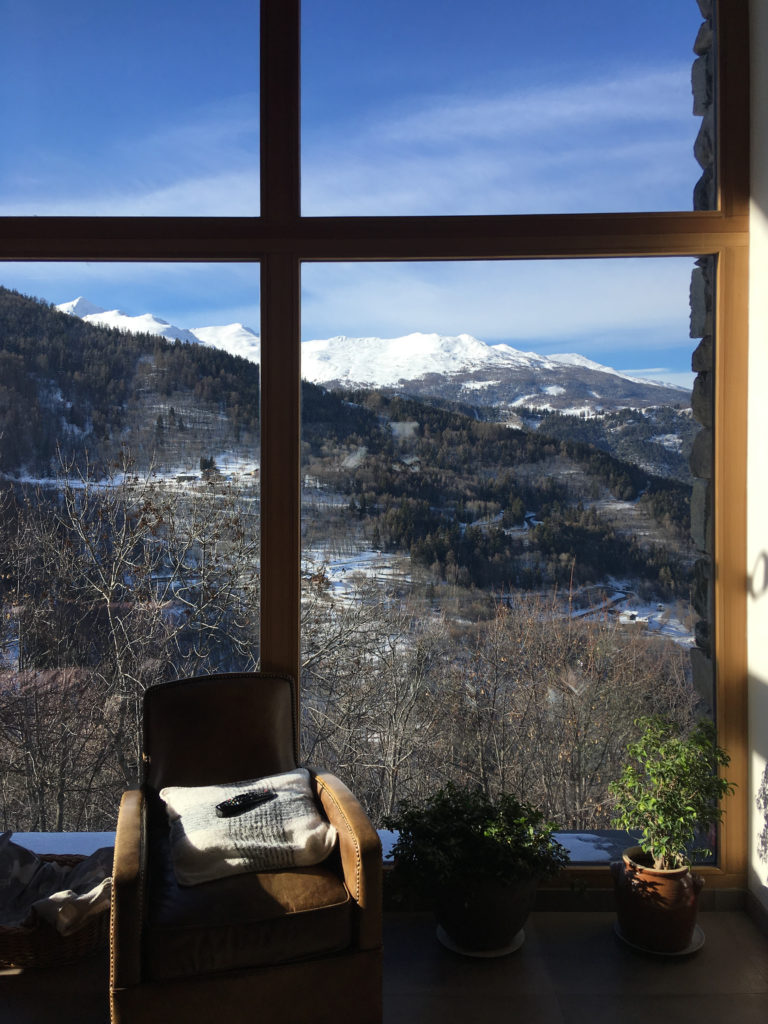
(458, 368)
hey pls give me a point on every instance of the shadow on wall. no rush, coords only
(757, 582)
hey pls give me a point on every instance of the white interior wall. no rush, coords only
(757, 458)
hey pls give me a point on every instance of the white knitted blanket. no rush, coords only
(285, 831)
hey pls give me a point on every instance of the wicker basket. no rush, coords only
(40, 945)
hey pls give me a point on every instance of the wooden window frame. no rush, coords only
(280, 239)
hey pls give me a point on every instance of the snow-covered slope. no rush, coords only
(236, 339)
(574, 359)
(146, 323)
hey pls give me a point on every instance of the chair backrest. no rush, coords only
(219, 728)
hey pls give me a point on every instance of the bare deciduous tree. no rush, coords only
(532, 701)
(128, 581)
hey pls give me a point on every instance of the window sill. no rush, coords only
(587, 849)
(64, 842)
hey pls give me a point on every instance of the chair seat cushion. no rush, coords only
(248, 920)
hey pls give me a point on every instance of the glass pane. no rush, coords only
(134, 109)
(553, 107)
(129, 461)
(496, 523)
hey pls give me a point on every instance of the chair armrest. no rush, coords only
(360, 850)
(128, 875)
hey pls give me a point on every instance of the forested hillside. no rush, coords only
(659, 438)
(69, 385)
(489, 506)
(85, 391)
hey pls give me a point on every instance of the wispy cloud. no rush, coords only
(638, 176)
(642, 98)
(204, 164)
(621, 143)
(228, 194)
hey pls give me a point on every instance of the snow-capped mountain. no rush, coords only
(236, 339)
(146, 323)
(464, 369)
(460, 368)
(379, 362)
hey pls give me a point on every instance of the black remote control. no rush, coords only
(243, 802)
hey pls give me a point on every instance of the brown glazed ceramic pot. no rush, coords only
(484, 916)
(656, 909)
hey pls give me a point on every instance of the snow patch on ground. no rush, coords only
(355, 459)
(480, 385)
(233, 467)
(404, 430)
(344, 573)
(671, 442)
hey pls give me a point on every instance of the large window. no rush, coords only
(281, 240)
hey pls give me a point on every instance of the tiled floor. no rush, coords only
(571, 970)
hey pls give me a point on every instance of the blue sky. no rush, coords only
(436, 106)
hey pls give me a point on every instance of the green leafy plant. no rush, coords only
(459, 835)
(670, 789)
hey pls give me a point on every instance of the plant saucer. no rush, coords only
(693, 947)
(446, 941)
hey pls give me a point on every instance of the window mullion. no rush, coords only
(280, 340)
(280, 110)
(280, 495)
(732, 35)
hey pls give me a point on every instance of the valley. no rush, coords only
(477, 578)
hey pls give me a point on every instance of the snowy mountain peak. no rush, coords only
(145, 323)
(237, 339)
(79, 307)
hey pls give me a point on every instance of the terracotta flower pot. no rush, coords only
(656, 909)
(485, 917)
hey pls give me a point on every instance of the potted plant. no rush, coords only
(476, 861)
(669, 792)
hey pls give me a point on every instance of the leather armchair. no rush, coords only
(297, 945)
